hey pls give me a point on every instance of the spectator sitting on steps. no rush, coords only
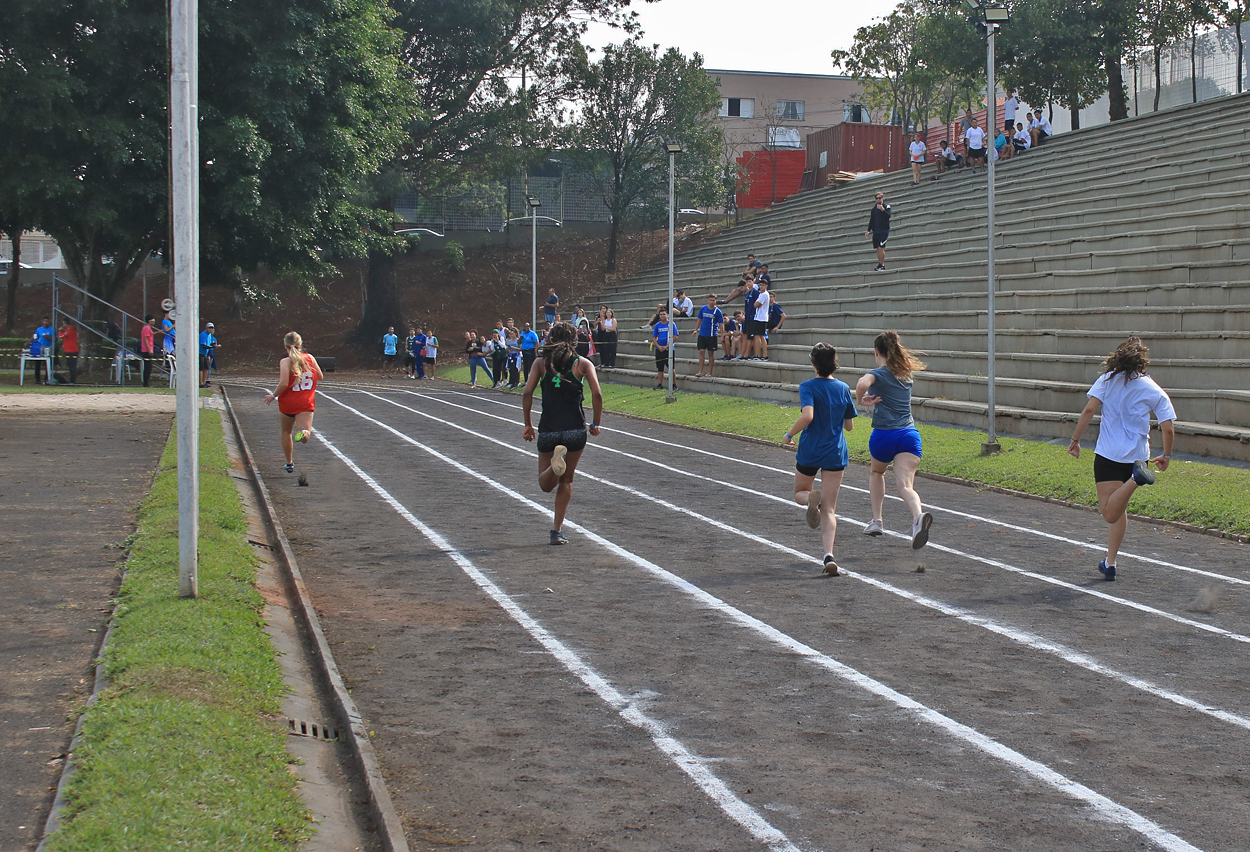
(947, 158)
(1039, 128)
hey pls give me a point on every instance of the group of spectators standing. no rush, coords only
(742, 337)
(420, 353)
(62, 342)
(1015, 137)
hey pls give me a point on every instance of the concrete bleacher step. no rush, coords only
(1153, 240)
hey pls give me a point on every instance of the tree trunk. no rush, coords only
(1158, 74)
(15, 269)
(1241, 51)
(382, 303)
(1115, 89)
(614, 239)
(1076, 118)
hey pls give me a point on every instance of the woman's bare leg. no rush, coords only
(286, 421)
(1113, 501)
(830, 485)
(876, 487)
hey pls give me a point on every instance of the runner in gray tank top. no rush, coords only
(894, 436)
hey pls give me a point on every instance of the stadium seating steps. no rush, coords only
(1138, 227)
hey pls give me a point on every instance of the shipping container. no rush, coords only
(758, 167)
(852, 147)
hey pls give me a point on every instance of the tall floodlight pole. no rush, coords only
(533, 203)
(184, 167)
(994, 17)
(673, 149)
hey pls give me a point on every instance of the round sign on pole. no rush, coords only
(167, 304)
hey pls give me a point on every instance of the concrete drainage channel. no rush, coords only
(341, 778)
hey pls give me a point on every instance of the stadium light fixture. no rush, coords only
(997, 14)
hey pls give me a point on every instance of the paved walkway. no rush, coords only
(68, 492)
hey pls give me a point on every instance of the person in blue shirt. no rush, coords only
(208, 344)
(663, 336)
(419, 341)
(42, 343)
(529, 348)
(708, 331)
(828, 413)
(894, 437)
(390, 343)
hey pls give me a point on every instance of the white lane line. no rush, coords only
(696, 767)
(1105, 808)
(985, 560)
(1028, 639)
(1085, 545)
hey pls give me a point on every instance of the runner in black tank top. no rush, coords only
(562, 428)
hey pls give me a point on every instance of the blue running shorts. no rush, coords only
(885, 444)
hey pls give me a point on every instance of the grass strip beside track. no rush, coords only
(1205, 495)
(183, 750)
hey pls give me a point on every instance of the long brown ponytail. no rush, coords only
(900, 360)
(295, 349)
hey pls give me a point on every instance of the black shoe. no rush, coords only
(1107, 571)
(290, 468)
(920, 531)
(880, 267)
(831, 567)
(1142, 475)
(557, 537)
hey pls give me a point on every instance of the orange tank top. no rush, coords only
(301, 394)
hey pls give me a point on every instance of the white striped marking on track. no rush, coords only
(1105, 808)
(957, 513)
(693, 765)
(1023, 637)
(995, 563)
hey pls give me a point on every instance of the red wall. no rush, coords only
(758, 166)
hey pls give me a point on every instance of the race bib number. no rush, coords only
(305, 382)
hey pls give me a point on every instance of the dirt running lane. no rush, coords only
(989, 692)
(69, 485)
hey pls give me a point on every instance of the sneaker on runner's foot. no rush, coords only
(813, 508)
(290, 468)
(558, 463)
(1107, 571)
(920, 531)
(831, 567)
(1142, 476)
(557, 537)
(874, 528)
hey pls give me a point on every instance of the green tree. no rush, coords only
(464, 61)
(1234, 13)
(1053, 55)
(295, 104)
(888, 59)
(631, 100)
(34, 83)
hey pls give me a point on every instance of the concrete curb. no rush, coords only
(383, 809)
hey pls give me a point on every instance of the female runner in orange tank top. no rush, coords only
(298, 374)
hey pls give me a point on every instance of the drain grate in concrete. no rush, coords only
(313, 730)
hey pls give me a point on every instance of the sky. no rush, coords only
(744, 35)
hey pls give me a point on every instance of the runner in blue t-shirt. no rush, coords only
(710, 320)
(828, 414)
(390, 342)
(663, 335)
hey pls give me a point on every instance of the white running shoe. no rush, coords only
(558, 463)
(874, 528)
(920, 531)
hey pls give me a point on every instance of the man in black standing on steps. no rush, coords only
(879, 228)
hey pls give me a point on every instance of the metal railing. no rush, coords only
(114, 334)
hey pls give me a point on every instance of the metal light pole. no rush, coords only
(994, 16)
(673, 149)
(184, 166)
(534, 203)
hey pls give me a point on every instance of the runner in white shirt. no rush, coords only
(917, 149)
(1126, 396)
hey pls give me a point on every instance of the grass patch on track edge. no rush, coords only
(1204, 495)
(184, 749)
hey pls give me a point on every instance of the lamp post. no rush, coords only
(992, 19)
(184, 159)
(532, 202)
(673, 149)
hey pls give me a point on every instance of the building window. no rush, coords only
(737, 107)
(790, 110)
(854, 112)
